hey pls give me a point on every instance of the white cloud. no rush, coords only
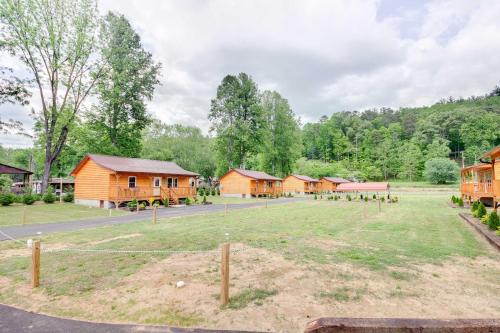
(323, 56)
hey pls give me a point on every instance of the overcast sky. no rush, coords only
(323, 56)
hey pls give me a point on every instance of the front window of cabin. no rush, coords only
(171, 182)
(131, 182)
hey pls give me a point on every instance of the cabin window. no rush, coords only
(131, 182)
(172, 182)
(270, 184)
(157, 182)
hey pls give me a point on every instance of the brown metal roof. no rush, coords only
(493, 152)
(351, 187)
(306, 178)
(255, 174)
(138, 165)
(336, 180)
(8, 169)
(477, 166)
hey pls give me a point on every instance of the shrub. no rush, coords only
(188, 202)
(49, 196)
(361, 196)
(133, 203)
(29, 198)
(382, 199)
(315, 196)
(17, 198)
(481, 210)
(374, 197)
(453, 199)
(366, 199)
(493, 221)
(68, 197)
(460, 202)
(204, 201)
(201, 191)
(475, 206)
(213, 191)
(6, 199)
(484, 219)
(218, 191)
(349, 197)
(441, 170)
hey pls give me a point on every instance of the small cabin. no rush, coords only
(301, 184)
(482, 181)
(329, 184)
(248, 183)
(110, 181)
(368, 187)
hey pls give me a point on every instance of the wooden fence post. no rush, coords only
(35, 263)
(224, 269)
(154, 214)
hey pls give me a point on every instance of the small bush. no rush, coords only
(213, 191)
(460, 202)
(133, 203)
(484, 219)
(481, 210)
(315, 196)
(453, 199)
(336, 197)
(493, 221)
(475, 206)
(366, 199)
(201, 191)
(349, 197)
(382, 199)
(6, 199)
(188, 202)
(218, 191)
(204, 201)
(49, 196)
(68, 197)
(374, 197)
(29, 198)
(361, 196)
(17, 198)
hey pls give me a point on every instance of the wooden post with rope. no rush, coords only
(35, 263)
(224, 269)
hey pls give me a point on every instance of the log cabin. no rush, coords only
(110, 181)
(329, 184)
(248, 183)
(301, 184)
(482, 181)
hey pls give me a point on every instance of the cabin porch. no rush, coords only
(265, 188)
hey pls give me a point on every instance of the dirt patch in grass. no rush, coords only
(276, 294)
(115, 238)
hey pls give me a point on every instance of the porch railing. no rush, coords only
(146, 192)
(265, 190)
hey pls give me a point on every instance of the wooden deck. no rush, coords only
(146, 193)
(266, 191)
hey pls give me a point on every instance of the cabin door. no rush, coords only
(156, 186)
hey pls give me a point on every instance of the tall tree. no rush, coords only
(282, 144)
(186, 145)
(56, 40)
(238, 120)
(128, 79)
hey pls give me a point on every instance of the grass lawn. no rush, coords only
(303, 260)
(45, 213)
(422, 184)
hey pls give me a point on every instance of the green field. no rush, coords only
(47, 213)
(335, 256)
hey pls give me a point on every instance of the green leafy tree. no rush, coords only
(56, 41)
(441, 171)
(128, 80)
(411, 161)
(438, 148)
(238, 120)
(282, 142)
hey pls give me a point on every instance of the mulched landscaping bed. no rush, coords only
(483, 229)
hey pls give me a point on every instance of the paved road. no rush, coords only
(19, 321)
(20, 231)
